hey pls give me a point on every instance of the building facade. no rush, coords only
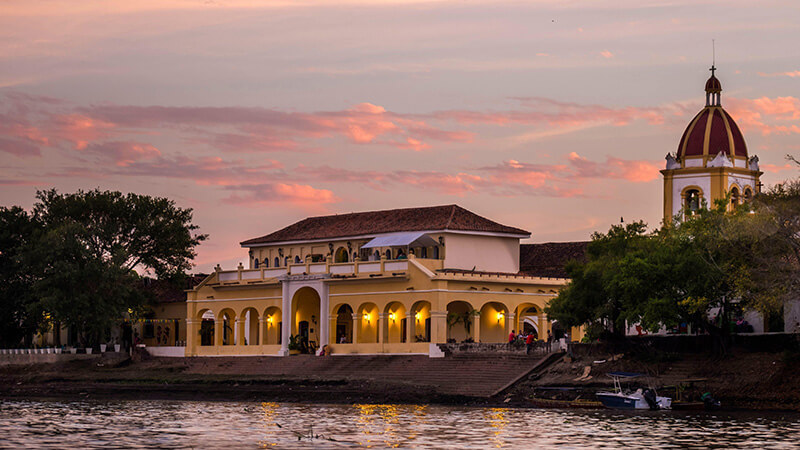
(379, 282)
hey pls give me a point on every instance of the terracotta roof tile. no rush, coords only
(446, 217)
(549, 259)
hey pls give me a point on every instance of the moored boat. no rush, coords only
(638, 399)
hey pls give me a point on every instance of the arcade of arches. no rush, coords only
(371, 325)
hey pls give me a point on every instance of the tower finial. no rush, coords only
(713, 57)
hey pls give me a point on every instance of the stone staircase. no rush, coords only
(473, 375)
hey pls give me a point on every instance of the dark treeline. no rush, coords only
(76, 260)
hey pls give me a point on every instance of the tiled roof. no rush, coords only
(446, 217)
(167, 292)
(549, 259)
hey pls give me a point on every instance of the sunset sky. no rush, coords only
(552, 116)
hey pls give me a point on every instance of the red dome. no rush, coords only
(713, 85)
(710, 132)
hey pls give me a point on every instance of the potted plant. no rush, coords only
(116, 345)
(103, 348)
(295, 344)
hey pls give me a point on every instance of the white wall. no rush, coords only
(679, 182)
(485, 253)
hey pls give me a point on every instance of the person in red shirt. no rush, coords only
(528, 343)
(511, 338)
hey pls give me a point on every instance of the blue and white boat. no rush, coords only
(638, 399)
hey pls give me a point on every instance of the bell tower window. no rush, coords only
(691, 202)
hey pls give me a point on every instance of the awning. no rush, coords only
(411, 239)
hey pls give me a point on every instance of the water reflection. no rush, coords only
(148, 424)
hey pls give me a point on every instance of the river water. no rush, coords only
(167, 424)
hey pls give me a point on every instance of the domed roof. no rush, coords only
(713, 85)
(712, 130)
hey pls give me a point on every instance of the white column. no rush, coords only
(324, 325)
(382, 319)
(262, 323)
(286, 313)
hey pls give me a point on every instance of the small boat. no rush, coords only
(638, 399)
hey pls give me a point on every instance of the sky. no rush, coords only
(551, 116)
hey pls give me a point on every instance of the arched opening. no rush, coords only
(255, 263)
(273, 322)
(527, 320)
(691, 201)
(436, 252)
(423, 252)
(367, 323)
(376, 256)
(344, 324)
(250, 326)
(297, 260)
(266, 262)
(460, 320)
(748, 194)
(277, 262)
(305, 319)
(396, 327)
(228, 318)
(734, 197)
(206, 317)
(389, 254)
(287, 260)
(421, 322)
(493, 322)
(341, 255)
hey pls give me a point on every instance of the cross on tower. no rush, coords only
(712, 69)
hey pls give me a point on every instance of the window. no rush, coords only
(255, 263)
(423, 253)
(436, 252)
(389, 254)
(748, 194)
(277, 262)
(376, 256)
(287, 260)
(341, 255)
(266, 262)
(297, 260)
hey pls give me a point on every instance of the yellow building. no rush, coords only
(379, 282)
(711, 162)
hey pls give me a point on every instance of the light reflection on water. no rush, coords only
(165, 424)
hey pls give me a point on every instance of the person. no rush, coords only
(166, 335)
(158, 335)
(342, 339)
(549, 341)
(528, 343)
(511, 338)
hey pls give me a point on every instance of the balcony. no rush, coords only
(351, 270)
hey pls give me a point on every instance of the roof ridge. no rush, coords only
(452, 214)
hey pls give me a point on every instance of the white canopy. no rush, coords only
(411, 239)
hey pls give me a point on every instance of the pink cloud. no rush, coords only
(606, 54)
(270, 193)
(791, 74)
(773, 168)
(124, 153)
(18, 148)
(767, 115)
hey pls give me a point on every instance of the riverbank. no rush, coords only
(741, 380)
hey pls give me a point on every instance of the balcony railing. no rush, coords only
(356, 269)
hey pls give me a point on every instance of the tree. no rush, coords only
(18, 230)
(713, 261)
(96, 244)
(598, 292)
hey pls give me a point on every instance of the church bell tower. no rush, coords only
(711, 161)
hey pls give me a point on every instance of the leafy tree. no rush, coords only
(714, 260)
(18, 230)
(94, 248)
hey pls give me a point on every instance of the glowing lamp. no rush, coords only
(500, 316)
(366, 317)
(418, 316)
(392, 316)
(269, 319)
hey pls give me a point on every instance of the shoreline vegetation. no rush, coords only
(741, 380)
